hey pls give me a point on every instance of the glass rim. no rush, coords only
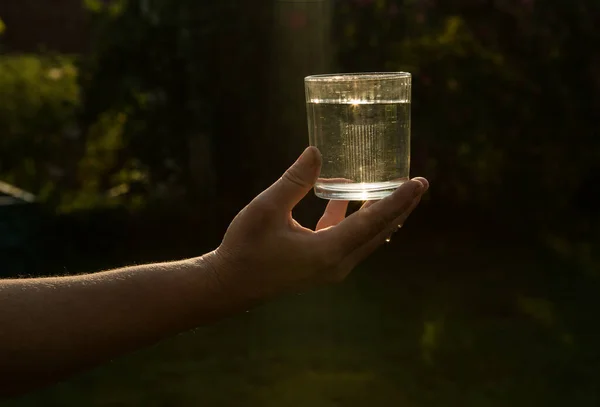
(357, 76)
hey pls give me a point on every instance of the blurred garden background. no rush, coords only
(134, 131)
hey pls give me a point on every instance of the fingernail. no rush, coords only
(423, 182)
(418, 189)
(309, 157)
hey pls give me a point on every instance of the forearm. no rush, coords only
(52, 327)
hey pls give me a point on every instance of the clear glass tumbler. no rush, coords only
(361, 124)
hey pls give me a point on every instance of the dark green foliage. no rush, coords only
(37, 118)
(505, 94)
(173, 102)
(180, 70)
(45, 149)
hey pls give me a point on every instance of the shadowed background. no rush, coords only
(133, 131)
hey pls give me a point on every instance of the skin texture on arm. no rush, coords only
(53, 327)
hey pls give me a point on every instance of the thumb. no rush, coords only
(297, 181)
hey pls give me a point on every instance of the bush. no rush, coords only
(151, 113)
(45, 149)
(172, 99)
(505, 96)
(37, 119)
(179, 71)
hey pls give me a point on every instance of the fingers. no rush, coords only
(296, 182)
(364, 225)
(366, 250)
(424, 182)
(334, 214)
(368, 204)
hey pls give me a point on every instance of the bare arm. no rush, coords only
(53, 327)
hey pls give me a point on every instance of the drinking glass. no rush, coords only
(360, 122)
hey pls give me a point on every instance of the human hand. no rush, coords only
(265, 252)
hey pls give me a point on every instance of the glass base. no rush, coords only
(356, 191)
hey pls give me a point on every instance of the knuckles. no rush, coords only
(377, 221)
(292, 175)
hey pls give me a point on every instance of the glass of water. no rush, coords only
(361, 124)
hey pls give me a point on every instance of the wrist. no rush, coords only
(239, 280)
(227, 282)
(211, 269)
